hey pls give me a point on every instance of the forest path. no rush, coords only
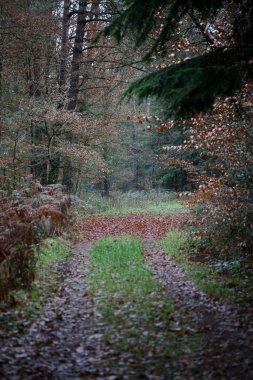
(225, 333)
(66, 341)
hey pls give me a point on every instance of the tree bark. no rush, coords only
(64, 45)
(54, 169)
(68, 170)
(77, 55)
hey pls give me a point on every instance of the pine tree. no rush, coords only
(190, 86)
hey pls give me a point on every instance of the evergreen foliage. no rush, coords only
(191, 86)
(139, 17)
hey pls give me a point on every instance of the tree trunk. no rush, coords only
(77, 55)
(64, 45)
(135, 162)
(38, 164)
(54, 168)
(1, 69)
(68, 170)
(105, 190)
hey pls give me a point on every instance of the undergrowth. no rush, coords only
(224, 279)
(135, 306)
(27, 304)
(51, 251)
(28, 214)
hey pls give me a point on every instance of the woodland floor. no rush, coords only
(67, 340)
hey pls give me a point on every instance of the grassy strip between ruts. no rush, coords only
(28, 303)
(222, 279)
(128, 299)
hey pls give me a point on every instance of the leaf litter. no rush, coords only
(70, 341)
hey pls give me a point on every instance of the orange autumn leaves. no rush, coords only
(145, 226)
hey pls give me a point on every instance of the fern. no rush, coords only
(24, 222)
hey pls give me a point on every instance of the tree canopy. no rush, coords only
(221, 63)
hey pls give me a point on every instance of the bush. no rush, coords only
(26, 218)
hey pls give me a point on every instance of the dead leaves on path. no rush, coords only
(142, 225)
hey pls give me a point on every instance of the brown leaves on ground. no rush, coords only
(141, 225)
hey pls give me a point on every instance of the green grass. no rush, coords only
(230, 283)
(51, 251)
(29, 303)
(132, 303)
(173, 242)
(121, 259)
(165, 208)
(131, 202)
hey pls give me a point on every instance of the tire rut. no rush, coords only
(226, 349)
(65, 341)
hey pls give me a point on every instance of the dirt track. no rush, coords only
(66, 341)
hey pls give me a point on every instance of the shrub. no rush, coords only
(25, 218)
(224, 140)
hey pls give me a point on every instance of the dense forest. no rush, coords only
(107, 100)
